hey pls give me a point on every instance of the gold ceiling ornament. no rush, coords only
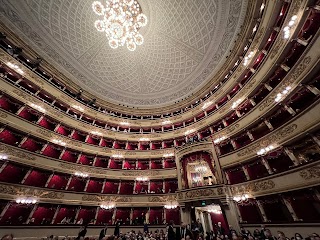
(122, 20)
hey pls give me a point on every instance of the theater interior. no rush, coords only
(208, 110)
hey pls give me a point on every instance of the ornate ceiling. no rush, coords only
(186, 42)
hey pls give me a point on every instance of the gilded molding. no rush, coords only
(3, 115)
(289, 80)
(294, 10)
(257, 186)
(81, 168)
(141, 173)
(15, 153)
(24, 191)
(170, 198)
(99, 199)
(271, 139)
(310, 173)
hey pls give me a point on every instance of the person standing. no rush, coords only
(117, 229)
(103, 232)
(171, 233)
(82, 233)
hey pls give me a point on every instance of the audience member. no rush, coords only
(103, 232)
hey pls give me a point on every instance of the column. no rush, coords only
(312, 89)
(164, 186)
(290, 208)
(224, 122)
(148, 216)
(164, 215)
(261, 209)
(77, 214)
(25, 177)
(227, 177)
(5, 209)
(40, 119)
(245, 170)
(218, 175)
(68, 184)
(87, 183)
(49, 179)
(185, 215)
(268, 124)
(23, 140)
(131, 215)
(56, 127)
(20, 109)
(238, 212)
(31, 213)
(94, 160)
(55, 214)
(103, 185)
(253, 103)
(267, 86)
(233, 143)
(43, 148)
(53, 102)
(179, 173)
(250, 135)
(119, 186)
(293, 158)
(316, 140)
(302, 42)
(285, 67)
(114, 216)
(289, 109)
(96, 215)
(62, 152)
(3, 166)
(134, 186)
(266, 165)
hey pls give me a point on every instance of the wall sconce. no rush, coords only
(281, 95)
(39, 108)
(236, 103)
(265, 150)
(81, 109)
(241, 198)
(3, 157)
(27, 200)
(218, 140)
(287, 28)
(142, 179)
(15, 67)
(80, 174)
(107, 206)
(60, 142)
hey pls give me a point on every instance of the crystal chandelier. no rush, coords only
(122, 20)
(201, 168)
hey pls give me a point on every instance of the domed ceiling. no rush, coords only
(186, 42)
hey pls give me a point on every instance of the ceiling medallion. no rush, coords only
(122, 20)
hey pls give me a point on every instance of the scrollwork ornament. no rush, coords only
(15, 153)
(310, 173)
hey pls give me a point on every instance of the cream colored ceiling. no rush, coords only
(186, 42)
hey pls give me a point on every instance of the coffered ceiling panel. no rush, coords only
(186, 42)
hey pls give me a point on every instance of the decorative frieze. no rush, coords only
(10, 151)
(24, 191)
(257, 186)
(271, 139)
(310, 173)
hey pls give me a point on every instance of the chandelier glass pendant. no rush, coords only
(201, 168)
(122, 20)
